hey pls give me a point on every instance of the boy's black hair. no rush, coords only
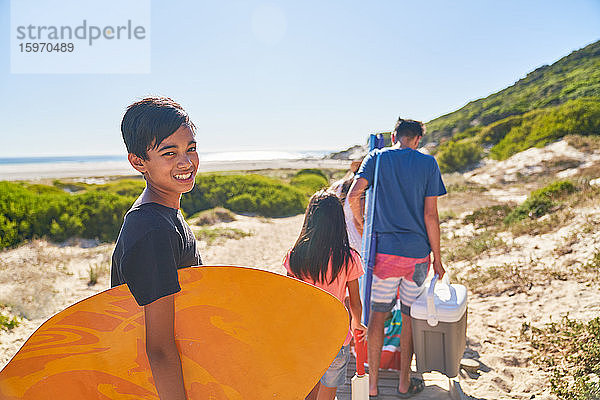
(409, 128)
(149, 121)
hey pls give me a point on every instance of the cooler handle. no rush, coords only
(432, 317)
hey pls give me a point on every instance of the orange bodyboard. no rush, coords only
(242, 333)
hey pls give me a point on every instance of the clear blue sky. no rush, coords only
(295, 75)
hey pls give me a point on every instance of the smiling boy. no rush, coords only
(155, 241)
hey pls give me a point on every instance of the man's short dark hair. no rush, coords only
(409, 128)
(149, 121)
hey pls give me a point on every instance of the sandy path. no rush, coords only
(265, 248)
(550, 262)
(39, 279)
(494, 321)
(493, 332)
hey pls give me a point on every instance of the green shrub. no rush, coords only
(123, 187)
(574, 76)
(474, 247)
(496, 131)
(101, 214)
(254, 194)
(533, 208)
(212, 216)
(243, 203)
(93, 274)
(42, 189)
(8, 322)
(26, 214)
(218, 235)
(540, 201)
(593, 265)
(312, 171)
(584, 143)
(570, 351)
(96, 212)
(309, 183)
(497, 279)
(457, 156)
(540, 127)
(488, 216)
(446, 216)
(70, 187)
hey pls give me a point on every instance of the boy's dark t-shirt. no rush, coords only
(153, 243)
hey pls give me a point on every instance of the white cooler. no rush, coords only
(440, 327)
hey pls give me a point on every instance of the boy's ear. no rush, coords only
(419, 140)
(136, 162)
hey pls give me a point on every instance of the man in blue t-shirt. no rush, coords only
(406, 225)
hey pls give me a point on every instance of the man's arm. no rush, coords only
(432, 224)
(161, 349)
(356, 199)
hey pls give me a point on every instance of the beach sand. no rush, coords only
(44, 278)
(39, 278)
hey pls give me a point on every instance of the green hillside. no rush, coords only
(550, 102)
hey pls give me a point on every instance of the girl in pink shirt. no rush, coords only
(323, 257)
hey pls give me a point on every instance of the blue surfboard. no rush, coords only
(376, 141)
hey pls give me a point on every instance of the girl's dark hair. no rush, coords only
(323, 238)
(346, 187)
(149, 121)
(408, 127)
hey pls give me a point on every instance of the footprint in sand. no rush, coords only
(515, 361)
(502, 384)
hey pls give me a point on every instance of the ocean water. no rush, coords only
(256, 155)
(18, 168)
(253, 155)
(61, 159)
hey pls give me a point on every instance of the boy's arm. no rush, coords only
(432, 225)
(356, 199)
(356, 308)
(162, 352)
